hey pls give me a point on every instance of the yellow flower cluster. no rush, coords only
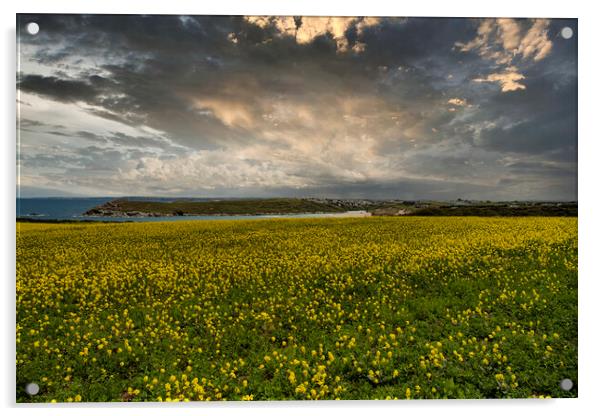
(354, 308)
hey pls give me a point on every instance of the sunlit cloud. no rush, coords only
(306, 29)
(508, 80)
(508, 44)
(457, 101)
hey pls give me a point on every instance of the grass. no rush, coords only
(491, 210)
(222, 207)
(127, 207)
(369, 308)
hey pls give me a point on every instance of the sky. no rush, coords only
(264, 106)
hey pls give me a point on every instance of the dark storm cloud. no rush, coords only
(58, 133)
(27, 124)
(58, 89)
(347, 104)
(424, 41)
(540, 119)
(46, 56)
(118, 139)
(411, 189)
(88, 135)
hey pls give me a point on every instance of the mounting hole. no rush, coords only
(32, 389)
(566, 32)
(33, 28)
(566, 384)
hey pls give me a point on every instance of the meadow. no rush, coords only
(350, 308)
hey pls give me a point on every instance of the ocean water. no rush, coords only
(73, 208)
(56, 208)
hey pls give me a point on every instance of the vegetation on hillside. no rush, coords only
(219, 207)
(138, 207)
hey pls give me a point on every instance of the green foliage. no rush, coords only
(219, 207)
(369, 308)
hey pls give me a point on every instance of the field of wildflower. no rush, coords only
(353, 308)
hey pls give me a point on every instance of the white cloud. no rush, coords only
(457, 101)
(231, 112)
(208, 170)
(480, 41)
(508, 80)
(232, 37)
(509, 33)
(501, 40)
(536, 43)
(506, 43)
(311, 27)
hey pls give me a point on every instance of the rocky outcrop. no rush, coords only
(114, 209)
(101, 212)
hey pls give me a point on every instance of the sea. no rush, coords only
(72, 209)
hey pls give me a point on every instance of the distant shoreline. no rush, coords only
(124, 219)
(144, 210)
(126, 208)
